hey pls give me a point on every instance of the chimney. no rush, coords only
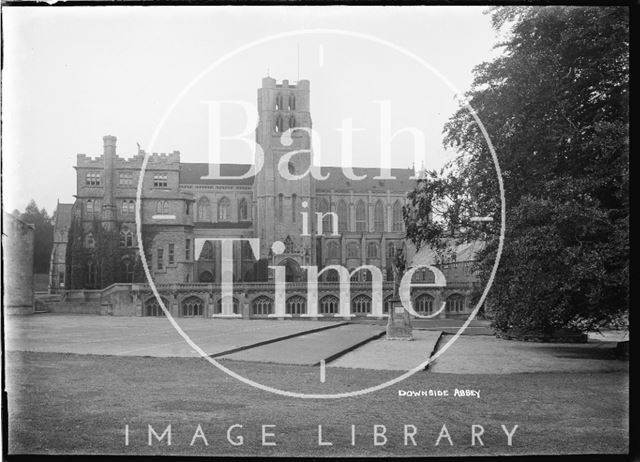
(108, 202)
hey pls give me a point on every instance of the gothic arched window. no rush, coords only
(292, 103)
(153, 308)
(127, 269)
(397, 216)
(192, 306)
(391, 249)
(296, 305)
(361, 216)
(224, 209)
(455, 304)
(162, 208)
(378, 221)
(333, 249)
(204, 209)
(207, 251)
(424, 304)
(92, 273)
(235, 306)
(372, 250)
(280, 206)
(353, 250)
(206, 276)
(292, 122)
(361, 304)
(243, 210)
(126, 237)
(294, 199)
(323, 208)
(343, 216)
(329, 304)
(262, 306)
(91, 243)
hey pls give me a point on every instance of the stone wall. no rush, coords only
(17, 246)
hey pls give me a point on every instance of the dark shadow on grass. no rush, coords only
(581, 352)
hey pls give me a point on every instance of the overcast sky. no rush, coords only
(72, 75)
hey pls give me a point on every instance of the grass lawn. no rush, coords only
(80, 404)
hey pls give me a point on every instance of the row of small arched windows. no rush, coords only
(224, 209)
(297, 305)
(353, 250)
(379, 222)
(279, 125)
(126, 238)
(291, 103)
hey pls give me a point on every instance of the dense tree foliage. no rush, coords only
(43, 235)
(75, 257)
(103, 263)
(555, 104)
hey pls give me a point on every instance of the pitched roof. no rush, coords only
(63, 215)
(339, 182)
(192, 173)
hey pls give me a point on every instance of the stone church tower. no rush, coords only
(279, 202)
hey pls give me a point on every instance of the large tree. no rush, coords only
(555, 104)
(43, 236)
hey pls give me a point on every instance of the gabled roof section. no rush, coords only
(339, 182)
(63, 216)
(192, 173)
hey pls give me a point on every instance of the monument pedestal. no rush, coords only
(399, 322)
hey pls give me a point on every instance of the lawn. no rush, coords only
(80, 404)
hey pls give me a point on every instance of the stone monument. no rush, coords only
(399, 323)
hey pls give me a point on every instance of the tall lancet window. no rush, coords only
(324, 208)
(343, 216)
(204, 209)
(361, 216)
(397, 216)
(224, 209)
(379, 217)
(279, 124)
(292, 103)
(294, 199)
(243, 210)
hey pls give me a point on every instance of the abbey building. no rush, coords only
(183, 213)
